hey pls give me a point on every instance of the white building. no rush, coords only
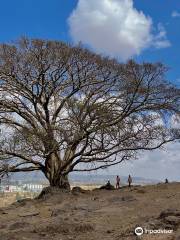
(11, 188)
(32, 187)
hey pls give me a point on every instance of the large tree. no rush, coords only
(64, 109)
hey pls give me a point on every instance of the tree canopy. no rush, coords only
(64, 108)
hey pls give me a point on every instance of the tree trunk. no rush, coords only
(53, 173)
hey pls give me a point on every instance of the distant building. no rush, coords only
(29, 187)
(10, 188)
(32, 187)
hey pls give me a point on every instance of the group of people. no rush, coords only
(118, 180)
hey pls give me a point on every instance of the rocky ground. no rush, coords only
(94, 215)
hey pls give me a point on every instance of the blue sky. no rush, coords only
(40, 19)
(48, 19)
(161, 11)
(145, 30)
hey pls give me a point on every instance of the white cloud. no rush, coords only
(160, 40)
(114, 27)
(175, 14)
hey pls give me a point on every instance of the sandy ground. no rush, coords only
(95, 215)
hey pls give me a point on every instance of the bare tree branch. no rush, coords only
(63, 106)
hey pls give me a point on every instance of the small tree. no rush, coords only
(65, 109)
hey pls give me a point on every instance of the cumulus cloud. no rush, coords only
(175, 14)
(115, 28)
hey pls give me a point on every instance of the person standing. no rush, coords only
(117, 182)
(129, 180)
(166, 181)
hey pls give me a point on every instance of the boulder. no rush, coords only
(76, 190)
(108, 187)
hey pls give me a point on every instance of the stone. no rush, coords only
(18, 225)
(77, 190)
(173, 220)
(169, 212)
(85, 227)
(56, 212)
(108, 187)
(128, 198)
(29, 214)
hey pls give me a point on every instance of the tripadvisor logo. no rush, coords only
(139, 231)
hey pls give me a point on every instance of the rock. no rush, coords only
(168, 219)
(53, 228)
(107, 187)
(95, 198)
(29, 214)
(4, 212)
(77, 190)
(128, 198)
(173, 220)
(56, 212)
(84, 228)
(153, 224)
(43, 234)
(169, 212)
(18, 225)
(24, 201)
